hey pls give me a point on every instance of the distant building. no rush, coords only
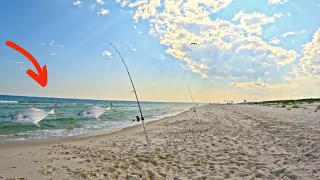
(244, 101)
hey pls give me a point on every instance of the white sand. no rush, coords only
(230, 142)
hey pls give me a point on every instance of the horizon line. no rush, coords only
(96, 99)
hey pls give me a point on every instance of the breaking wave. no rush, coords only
(1, 101)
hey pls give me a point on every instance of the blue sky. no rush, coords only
(246, 50)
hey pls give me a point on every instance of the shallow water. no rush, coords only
(70, 124)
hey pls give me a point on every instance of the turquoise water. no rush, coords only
(70, 124)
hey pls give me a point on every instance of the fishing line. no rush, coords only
(137, 117)
(195, 110)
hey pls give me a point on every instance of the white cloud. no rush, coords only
(100, 2)
(42, 44)
(277, 1)
(103, 12)
(252, 23)
(288, 34)
(51, 43)
(225, 47)
(309, 65)
(254, 87)
(288, 14)
(133, 48)
(135, 27)
(274, 40)
(292, 33)
(287, 78)
(92, 7)
(77, 3)
(52, 54)
(106, 53)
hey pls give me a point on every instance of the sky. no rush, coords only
(245, 50)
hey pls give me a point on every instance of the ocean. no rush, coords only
(70, 124)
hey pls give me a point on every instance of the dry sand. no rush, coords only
(229, 142)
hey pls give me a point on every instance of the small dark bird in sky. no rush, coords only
(194, 44)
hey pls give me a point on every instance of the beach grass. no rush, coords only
(288, 102)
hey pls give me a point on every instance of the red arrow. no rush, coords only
(42, 78)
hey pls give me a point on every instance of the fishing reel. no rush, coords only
(138, 119)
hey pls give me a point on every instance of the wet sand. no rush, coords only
(227, 142)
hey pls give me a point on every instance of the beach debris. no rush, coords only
(33, 115)
(94, 111)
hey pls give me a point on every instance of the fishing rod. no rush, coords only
(138, 119)
(195, 110)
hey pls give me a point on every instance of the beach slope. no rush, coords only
(228, 142)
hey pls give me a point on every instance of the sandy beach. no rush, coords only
(227, 142)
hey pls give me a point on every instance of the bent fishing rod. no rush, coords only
(195, 110)
(134, 89)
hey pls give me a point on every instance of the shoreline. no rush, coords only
(86, 136)
(227, 142)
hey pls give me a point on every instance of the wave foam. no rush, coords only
(8, 101)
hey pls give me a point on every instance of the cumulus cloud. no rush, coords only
(274, 40)
(309, 64)
(224, 48)
(103, 12)
(252, 23)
